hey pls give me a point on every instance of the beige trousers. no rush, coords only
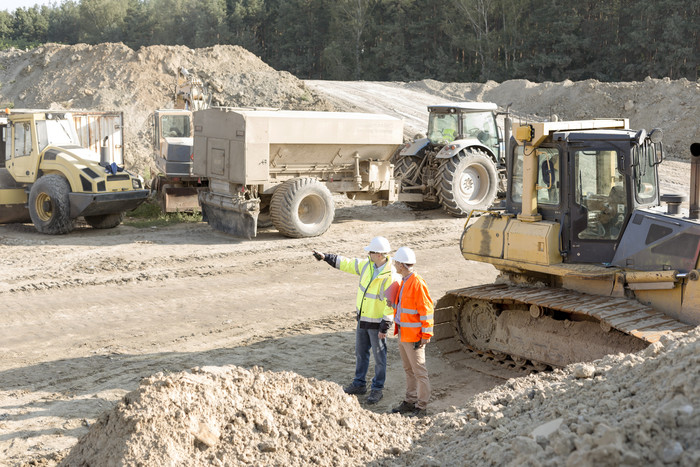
(417, 383)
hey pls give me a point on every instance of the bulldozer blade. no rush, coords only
(237, 219)
(177, 199)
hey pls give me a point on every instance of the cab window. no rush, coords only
(645, 174)
(442, 128)
(482, 126)
(22, 139)
(175, 126)
(5, 147)
(548, 176)
(601, 192)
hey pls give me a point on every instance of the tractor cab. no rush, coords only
(465, 120)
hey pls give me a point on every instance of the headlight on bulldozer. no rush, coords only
(136, 183)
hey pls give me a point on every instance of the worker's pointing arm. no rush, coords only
(327, 257)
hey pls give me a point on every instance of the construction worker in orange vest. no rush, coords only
(413, 322)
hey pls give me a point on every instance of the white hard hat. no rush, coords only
(378, 245)
(405, 255)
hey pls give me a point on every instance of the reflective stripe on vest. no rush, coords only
(414, 296)
(369, 304)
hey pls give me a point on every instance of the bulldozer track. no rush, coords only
(622, 314)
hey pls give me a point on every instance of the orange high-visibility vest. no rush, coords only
(414, 310)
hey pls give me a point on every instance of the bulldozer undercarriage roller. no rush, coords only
(538, 328)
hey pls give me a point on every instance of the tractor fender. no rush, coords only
(414, 147)
(450, 150)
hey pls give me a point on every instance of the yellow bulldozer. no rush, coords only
(590, 263)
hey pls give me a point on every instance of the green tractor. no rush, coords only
(459, 165)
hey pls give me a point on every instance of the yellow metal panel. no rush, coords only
(690, 308)
(666, 301)
(485, 237)
(535, 133)
(532, 242)
(13, 196)
(650, 276)
(524, 133)
(599, 286)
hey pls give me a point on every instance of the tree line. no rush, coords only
(396, 40)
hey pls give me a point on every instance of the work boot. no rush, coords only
(418, 413)
(352, 389)
(404, 407)
(374, 396)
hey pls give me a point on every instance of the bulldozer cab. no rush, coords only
(589, 182)
(463, 120)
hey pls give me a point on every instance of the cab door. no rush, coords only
(600, 204)
(22, 159)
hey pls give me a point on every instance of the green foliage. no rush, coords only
(64, 23)
(451, 40)
(102, 20)
(149, 214)
(138, 24)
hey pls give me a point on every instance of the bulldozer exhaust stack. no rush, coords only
(694, 181)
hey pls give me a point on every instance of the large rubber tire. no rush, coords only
(405, 167)
(302, 207)
(49, 205)
(467, 181)
(105, 221)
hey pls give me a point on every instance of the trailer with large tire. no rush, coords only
(278, 167)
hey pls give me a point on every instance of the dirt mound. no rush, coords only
(115, 77)
(672, 105)
(636, 409)
(233, 416)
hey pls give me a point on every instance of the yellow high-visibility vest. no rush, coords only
(370, 304)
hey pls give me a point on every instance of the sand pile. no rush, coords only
(115, 77)
(233, 416)
(636, 409)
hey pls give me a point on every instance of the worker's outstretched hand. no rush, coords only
(318, 256)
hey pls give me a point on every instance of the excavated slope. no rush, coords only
(115, 77)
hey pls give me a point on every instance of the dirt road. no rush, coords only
(86, 316)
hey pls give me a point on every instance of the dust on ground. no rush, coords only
(182, 345)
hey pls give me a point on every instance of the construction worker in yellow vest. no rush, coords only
(377, 275)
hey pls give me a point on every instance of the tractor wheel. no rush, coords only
(467, 181)
(49, 205)
(406, 168)
(302, 207)
(105, 221)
